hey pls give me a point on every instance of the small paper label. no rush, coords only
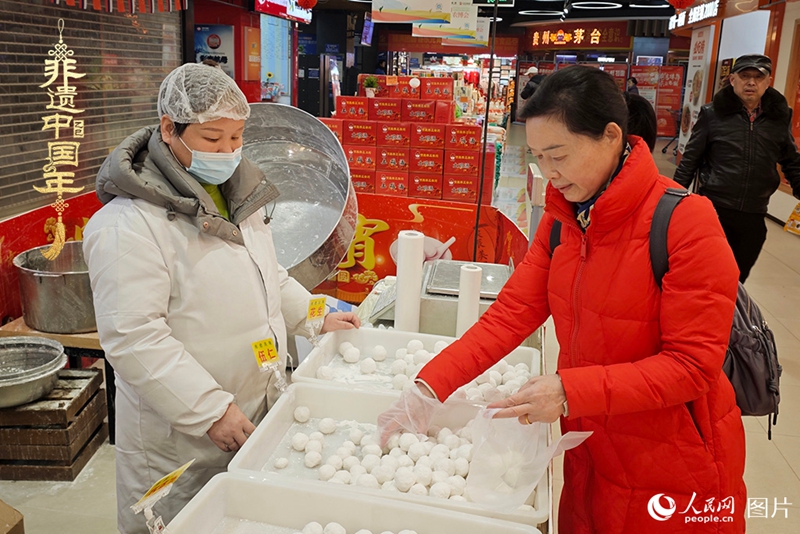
(265, 353)
(316, 309)
(391, 80)
(168, 480)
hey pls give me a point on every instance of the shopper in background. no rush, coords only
(633, 86)
(381, 68)
(640, 367)
(735, 145)
(642, 119)
(185, 280)
(532, 85)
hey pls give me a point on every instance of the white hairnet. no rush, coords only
(197, 93)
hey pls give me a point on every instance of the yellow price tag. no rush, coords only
(391, 80)
(265, 352)
(316, 309)
(166, 481)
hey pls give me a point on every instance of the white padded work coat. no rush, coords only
(180, 295)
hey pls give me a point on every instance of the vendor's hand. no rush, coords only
(340, 321)
(412, 412)
(230, 432)
(541, 399)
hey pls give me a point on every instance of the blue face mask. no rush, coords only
(214, 168)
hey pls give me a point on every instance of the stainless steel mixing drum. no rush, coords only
(314, 219)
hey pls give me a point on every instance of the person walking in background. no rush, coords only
(380, 70)
(633, 86)
(735, 145)
(533, 83)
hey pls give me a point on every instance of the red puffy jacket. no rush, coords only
(641, 367)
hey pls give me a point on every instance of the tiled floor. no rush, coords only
(87, 506)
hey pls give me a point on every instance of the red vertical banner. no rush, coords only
(647, 82)
(670, 82)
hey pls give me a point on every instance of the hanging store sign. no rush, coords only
(463, 22)
(694, 14)
(576, 35)
(284, 9)
(481, 39)
(411, 11)
(62, 119)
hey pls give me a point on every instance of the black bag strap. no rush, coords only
(659, 255)
(555, 236)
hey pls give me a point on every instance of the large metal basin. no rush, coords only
(28, 369)
(56, 295)
(315, 217)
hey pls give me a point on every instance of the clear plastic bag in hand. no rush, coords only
(509, 459)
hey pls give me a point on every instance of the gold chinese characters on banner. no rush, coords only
(62, 118)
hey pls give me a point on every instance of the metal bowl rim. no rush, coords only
(17, 261)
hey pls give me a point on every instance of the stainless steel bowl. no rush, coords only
(28, 368)
(315, 217)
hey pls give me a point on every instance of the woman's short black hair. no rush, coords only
(585, 99)
(642, 119)
(634, 80)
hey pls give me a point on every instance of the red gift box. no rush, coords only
(381, 91)
(425, 185)
(419, 110)
(393, 159)
(402, 89)
(385, 109)
(425, 135)
(361, 157)
(444, 112)
(465, 188)
(464, 162)
(463, 137)
(335, 125)
(352, 107)
(359, 133)
(427, 160)
(394, 134)
(436, 88)
(391, 183)
(363, 181)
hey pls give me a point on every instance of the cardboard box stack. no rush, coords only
(400, 144)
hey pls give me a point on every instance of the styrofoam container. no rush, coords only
(277, 503)
(364, 407)
(365, 339)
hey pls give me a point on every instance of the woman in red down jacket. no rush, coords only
(639, 366)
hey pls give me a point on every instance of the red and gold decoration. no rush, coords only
(681, 4)
(126, 6)
(307, 4)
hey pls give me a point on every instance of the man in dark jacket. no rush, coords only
(735, 145)
(533, 83)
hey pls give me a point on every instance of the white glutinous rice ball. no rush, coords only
(368, 366)
(302, 414)
(389, 486)
(422, 357)
(457, 485)
(452, 441)
(368, 481)
(343, 452)
(457, 498)
(350, 446)
(355, 436)
(439, 476)
(370, 462)
(349, 462)
(405, 461)
(414, 345)
(474, 394)
(383, 473)
(462, 466)
(394, 442)
(522, 367)
(390, 461)
(509, 376)
(445, 464)
(343, 476)
(334, 528)
(356, 471)
(335, 461)
(440, 490)
(344, 347)
(443, 433)
(352, 355)
(398, 367)
(327, 426)
(409, 359)
(465, 451)
(424, 474)
(364, 531)
(399, 381)
(501, 367)
(326, 472)
(492, 395)
(400, 353)
(453, 454)
(418, 489)
(325, 373)
(407, 532)
(413, 370)
(379, 353)
(396, 452)
(317, 436)
(313, 528)
(371, 449)
(313, 446)
(404, 478)
(486, 386)
(440, 346)
(299, 441)
(281, 463)
(417, 451)
(439, 451)
(429, 445)
(369, 439)
(313, 459)
(466, 433)
(482, 379)
(426, 461)
(407, 440)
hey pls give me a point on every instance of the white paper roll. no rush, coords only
(410, 257)
(469, 296)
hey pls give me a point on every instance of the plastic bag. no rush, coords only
(509, 459)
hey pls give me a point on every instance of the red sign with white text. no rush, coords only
(670, 83)
(285, 9)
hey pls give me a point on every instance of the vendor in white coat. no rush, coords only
(185, 280)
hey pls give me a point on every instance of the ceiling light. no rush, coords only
(498, 19)
(539, 12)
(596, 5)
(650, 6)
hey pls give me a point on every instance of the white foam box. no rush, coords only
(365, 339)
(276, 504)
(364, 407)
